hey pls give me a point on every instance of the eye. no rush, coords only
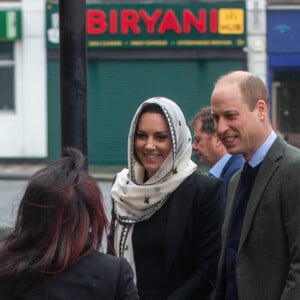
(141, 135)
(162, 136)
(231, 116)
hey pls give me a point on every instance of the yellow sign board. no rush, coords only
(231, 21)
(209, 24)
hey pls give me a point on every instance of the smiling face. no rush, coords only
(240, 129)
(152, 141)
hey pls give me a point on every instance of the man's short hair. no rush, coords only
(208, 123)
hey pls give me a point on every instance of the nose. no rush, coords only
(150, 143)
(194, 146)
(221, 126)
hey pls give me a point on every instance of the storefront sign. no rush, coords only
(159, 25)
(10, 25)
(283, 31)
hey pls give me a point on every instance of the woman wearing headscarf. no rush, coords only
(166, 217)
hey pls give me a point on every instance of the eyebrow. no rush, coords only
(166, 131)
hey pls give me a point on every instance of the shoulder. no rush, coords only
(284, 154)
(292, 153)
(198, 184)
(200, 180)
(99, 267)
(203, 195)
(290, 163)
(98, 259)
(281, 149)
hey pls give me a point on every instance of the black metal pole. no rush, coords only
(73, 89)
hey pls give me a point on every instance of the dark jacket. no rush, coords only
(231, 167)
(96, 276)
(192, 242)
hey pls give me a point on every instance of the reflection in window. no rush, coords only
(7, 101)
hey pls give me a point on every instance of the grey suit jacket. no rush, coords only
(268, 258)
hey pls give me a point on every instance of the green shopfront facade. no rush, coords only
(138, 51)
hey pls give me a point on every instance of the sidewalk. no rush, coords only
(23, 171)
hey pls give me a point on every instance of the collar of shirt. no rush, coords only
(217, 168)
(262, 150)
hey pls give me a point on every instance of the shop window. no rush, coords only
(283, 2)
(7, 77)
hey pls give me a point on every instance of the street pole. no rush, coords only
(73, 89)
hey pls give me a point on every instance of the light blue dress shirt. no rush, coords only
(262, 150)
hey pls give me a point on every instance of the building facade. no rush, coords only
(23, 122)
(138, 50)
(135, 50)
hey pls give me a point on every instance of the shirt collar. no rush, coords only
(217, 168)
(262, 150)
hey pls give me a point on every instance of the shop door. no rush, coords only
(116, 88)
(286, 110)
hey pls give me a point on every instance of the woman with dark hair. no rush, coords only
(166, 218)
(52, 252)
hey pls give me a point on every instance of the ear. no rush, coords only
(217, 139)
(262, 109)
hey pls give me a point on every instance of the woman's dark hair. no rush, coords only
(151, 108)
(61, 218)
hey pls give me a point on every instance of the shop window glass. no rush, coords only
(7, 78)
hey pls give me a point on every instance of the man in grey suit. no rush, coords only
(260, 257)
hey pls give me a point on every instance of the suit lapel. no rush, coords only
(268, 167)
(180, 212)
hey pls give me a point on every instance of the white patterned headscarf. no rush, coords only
(135, 200)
